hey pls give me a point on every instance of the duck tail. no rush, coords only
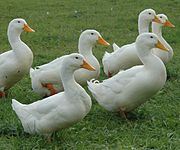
(36, 84)
(115, 47)
(25, 117)
(18, 108)
(92, 85)
(105, 62)
(31, 72)
(106, 55)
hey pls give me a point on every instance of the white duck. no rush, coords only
(157, 29)
(126, 57)
(45, 77)
(14, 64)
(128, 89)
(61, 110)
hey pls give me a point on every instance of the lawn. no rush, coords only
(58, 24)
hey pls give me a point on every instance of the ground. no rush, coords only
(58, 24)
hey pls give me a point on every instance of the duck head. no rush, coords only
(147, 41)
(19, 25)
(91, 37)
(164, 21)
(76, 61)
(149, 15)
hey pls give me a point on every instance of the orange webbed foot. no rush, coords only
(50, 87)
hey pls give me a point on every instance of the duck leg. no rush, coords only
(50, 87)
(2, 94)
(123, 113)
(48, 138)
(109, 74)
(6, 93)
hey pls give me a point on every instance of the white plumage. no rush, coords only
(14, 64)
(128, 89)
(60, 110)
(125, 57)
(48, 73)
(157, 29)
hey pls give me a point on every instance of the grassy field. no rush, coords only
(58, 24)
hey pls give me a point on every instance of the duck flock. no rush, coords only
(135, 72)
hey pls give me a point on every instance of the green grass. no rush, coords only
(58, 24)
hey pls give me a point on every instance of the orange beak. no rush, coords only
(27, 28)
(102, 41)
(156, 19)
(161, 46)
(87, 66)
(169, 24)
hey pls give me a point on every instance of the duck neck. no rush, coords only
(85, 48)
(148, 59)
(67, 77)
(143, 25)
(14, 38)
(157, 29)
(19, 47)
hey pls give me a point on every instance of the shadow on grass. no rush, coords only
(11, 130)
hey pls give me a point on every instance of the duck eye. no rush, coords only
(160, 16)
(19, 21)
(149, 13)
(76, 57)
(92, 33)
(151, 37)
